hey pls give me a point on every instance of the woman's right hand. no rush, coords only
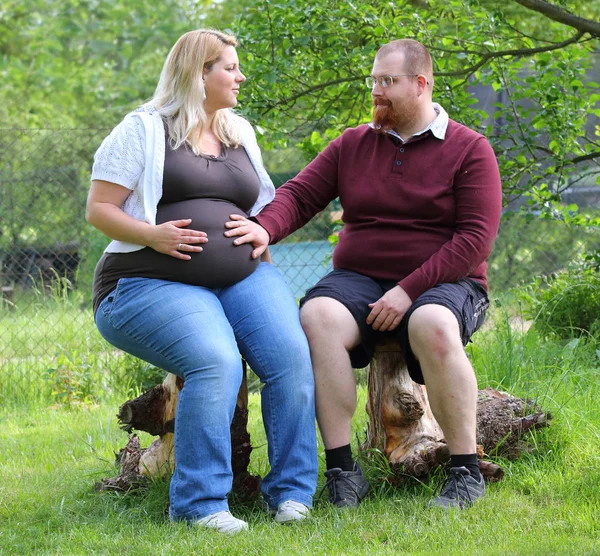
(104, 211)
(172, 238)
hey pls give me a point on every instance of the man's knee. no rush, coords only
(327, 318)
(433, 331)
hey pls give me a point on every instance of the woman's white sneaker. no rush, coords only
(291, 511)
(223, 522)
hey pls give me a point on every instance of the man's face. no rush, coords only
(395, 106)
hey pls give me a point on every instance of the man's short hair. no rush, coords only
(416, 57)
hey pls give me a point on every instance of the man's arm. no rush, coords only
(295, 203)
(302, 197)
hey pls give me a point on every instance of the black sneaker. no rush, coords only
(459, 490)
(346, 488)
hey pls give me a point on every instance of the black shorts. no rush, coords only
(467, 299)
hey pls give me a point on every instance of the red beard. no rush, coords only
(384, 115)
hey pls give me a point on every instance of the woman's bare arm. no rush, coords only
(103, 211)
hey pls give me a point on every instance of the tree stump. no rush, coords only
(154, 413)
(402, 426)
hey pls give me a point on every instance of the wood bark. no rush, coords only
(402, 426)
(401, 423)
(557, 13)
(154, 413)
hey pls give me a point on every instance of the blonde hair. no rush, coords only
(179, 95)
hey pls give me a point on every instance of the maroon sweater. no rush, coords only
(419, 213)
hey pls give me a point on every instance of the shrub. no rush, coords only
(566, 303)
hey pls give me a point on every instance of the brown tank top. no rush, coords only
(206, 189)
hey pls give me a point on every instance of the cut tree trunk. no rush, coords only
(402, 426)
(154, 413)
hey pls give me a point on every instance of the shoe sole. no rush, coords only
(360, 496)
(290, 519)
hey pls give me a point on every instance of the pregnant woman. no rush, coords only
(173, 290)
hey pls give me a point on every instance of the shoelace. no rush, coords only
(332, 481)
(453, 480)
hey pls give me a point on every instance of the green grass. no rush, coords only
(548, 502)
(51, 352)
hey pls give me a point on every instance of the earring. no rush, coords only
(203, 89)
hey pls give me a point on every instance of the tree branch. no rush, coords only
(310, 90)
(583, 157)
(556, 13)
(485, 57)
(271, 34)
(516, 52)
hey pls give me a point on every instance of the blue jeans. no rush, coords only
(198, 334)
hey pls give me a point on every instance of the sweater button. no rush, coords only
(398, 162)
(401, 150)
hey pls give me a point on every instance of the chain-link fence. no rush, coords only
(48, 253)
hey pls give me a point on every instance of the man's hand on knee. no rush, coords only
(387, 312)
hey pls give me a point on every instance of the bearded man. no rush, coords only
(421, 199)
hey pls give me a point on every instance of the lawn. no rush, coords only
(53, 450)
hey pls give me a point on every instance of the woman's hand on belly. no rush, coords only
(174, 239)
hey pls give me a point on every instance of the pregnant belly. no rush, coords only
(220, 263)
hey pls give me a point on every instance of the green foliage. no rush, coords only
(567, 303)
(44, 179)
(141, 376)
(528, 245)
(86, 63)
(511, 353)
(548, 201)
(83, 63)
(307, 62)
(71, 379)
(76, 377)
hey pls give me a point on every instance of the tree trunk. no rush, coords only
(154, 413)
(402, 426)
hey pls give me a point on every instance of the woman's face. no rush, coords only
(222, 82)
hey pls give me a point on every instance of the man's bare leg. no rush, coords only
(451, 384)
(434, 336)
(332, 332)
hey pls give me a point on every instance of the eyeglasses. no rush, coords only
(386, 80)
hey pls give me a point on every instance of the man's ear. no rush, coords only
(422, 82)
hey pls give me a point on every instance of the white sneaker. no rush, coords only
(223, 522)
(291, 511)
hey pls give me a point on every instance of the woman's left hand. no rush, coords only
(247, 232)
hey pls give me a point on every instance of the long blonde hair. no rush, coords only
(179, 95)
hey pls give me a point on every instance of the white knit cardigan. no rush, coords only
(133, 155)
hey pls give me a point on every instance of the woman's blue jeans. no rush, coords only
(199, 334)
